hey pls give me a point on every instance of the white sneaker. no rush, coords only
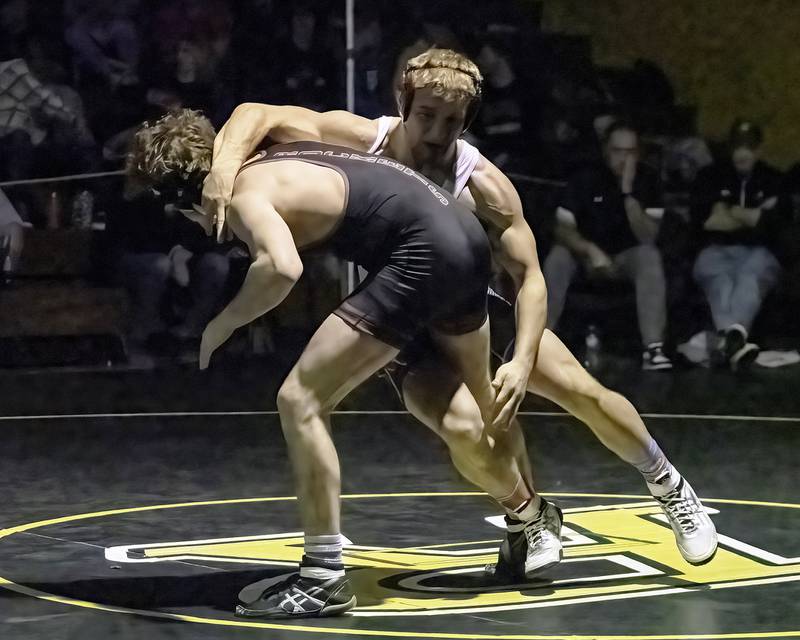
(654, 359)
(694, 531)
(543, 535)
(744, 356)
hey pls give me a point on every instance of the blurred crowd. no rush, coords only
(78, 76)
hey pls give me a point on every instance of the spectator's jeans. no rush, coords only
(735, 279)
(146, 276)
(640, 265)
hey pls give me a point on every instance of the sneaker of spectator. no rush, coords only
(733, 350)
(654, 359)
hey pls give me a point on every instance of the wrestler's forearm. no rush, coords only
(531, 317)
(264, 288)
(248, 125)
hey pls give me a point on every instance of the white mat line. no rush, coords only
(557, 414)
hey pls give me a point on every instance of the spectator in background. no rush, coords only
(190, 56)
(27, 108)
(71, 147)
(311, 75)
(606, 227)
(253, 39)
(104, 40)
(738, 214)
(165, 260)
(106, 49)
(12, 234)
(15, 22)
(500, 117)
(427, 24)
(684, 158)
(369, 54)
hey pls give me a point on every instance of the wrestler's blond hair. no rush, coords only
(450, 74)
(178, 146)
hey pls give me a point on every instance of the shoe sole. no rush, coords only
(535, 573)
(700, 563)
(511, 578)
(657, 367)
(325, 612)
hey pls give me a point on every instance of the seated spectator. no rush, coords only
(606, 228)
(311, 74)
(500, 118)
(71, 147)
(190, 60)
(15, 22)
(684, 158)
(27, 110)
(164, 260)
(104, 40)
(426, 27)
(738, 214)
(253, 37)
(369, 56)
(26, 107)
(12, 234)
(106, 51)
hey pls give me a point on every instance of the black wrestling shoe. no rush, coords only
(510, 565)
(526, 554)
(299, 597)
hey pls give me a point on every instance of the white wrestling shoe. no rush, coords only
(543, 535)
(694, 531)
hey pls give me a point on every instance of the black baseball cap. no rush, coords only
(745, 133)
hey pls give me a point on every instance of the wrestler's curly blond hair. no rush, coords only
(450, 74)
(177, 147)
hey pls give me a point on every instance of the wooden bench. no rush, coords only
(52, 313)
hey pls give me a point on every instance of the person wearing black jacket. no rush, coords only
(607, 222)
(737, 212)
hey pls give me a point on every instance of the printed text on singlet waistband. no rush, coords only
(369, 159)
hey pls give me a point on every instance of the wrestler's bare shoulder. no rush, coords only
(295, 187)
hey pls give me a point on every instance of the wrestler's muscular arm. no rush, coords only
(495, 200)
(251, 123)
(275, 269)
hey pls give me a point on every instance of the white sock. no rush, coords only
(322, 557)
(658, 472)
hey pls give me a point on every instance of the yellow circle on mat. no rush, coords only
(10, 585)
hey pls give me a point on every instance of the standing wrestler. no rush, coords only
(428, 263)
(440, 95)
